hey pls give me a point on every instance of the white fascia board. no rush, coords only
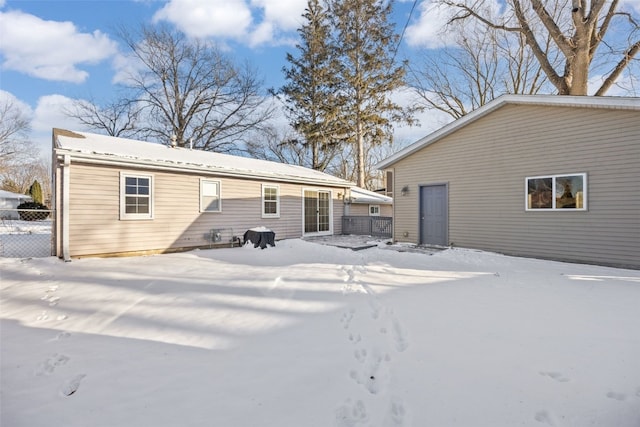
(151, 165)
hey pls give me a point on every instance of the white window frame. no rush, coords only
(375, 208)
(277, 201)
(554, 190)
(123, 197)
(203, 208)
(317, 190)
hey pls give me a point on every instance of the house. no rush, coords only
(9, 204)
(555, 177)
(368, 203)
(115, 196)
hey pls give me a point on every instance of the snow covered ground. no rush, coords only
(21, 239)
(310, 335)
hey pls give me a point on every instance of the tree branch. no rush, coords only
(617, 71)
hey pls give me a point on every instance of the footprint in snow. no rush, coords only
(397, 414)
(399, 336)
(49, 366)
(61, 335)
(71, 386)
(556, 376)
(351, 414)
(616, 396)
(373, 373)
(545, 418)
(347, 317)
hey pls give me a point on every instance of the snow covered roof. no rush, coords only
(360, 195)
(622, 103)
(9, 195)
(112, 150)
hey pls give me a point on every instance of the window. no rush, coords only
(270, 201)
(557, 192)
(210, 200)
(374, 210)
(389, 183)
(136, 192)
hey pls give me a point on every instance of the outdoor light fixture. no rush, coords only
(405, 190)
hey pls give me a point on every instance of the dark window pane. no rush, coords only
(540, 193)
(569, 192)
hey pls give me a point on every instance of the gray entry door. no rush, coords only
(433, 215)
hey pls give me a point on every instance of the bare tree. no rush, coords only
(479, 67)
(17, 177)
(118, 118)
(279, 145)
(579, 29)
(14, 129)
(191, 91)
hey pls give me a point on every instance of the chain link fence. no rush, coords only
(25, 233)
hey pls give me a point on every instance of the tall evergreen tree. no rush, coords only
(35, 191)
(368, 73)
(311, 94)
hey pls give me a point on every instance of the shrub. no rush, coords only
(32, 211)
(35, 191)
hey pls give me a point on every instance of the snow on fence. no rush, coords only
(25, 233)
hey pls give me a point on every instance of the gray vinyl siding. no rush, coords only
(485, 165)
(96, 228)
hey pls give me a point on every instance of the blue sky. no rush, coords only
(54, 51)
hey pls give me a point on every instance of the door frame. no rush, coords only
(446, 213)
(302, 198)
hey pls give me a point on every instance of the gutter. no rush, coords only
(66, 172)
(151, 165)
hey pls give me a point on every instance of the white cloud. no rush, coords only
(50, 50)
(285, 15)
(429, 30)
(48, 114)
(255, 22)
(8, 97)
(429, 120)
(205, 18)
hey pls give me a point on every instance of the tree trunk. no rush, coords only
(360, 153)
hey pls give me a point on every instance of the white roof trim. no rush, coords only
(623, 103)
(102, 149)
(360, 195)
(4, 194)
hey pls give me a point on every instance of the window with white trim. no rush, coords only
(374, 210)
(136, 196)
(210, 196)
(270, 201)
(556, 192)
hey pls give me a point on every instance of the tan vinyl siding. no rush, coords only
(485, 165)
(362, 209)
(177, 222)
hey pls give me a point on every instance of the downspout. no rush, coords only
(65, 207)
